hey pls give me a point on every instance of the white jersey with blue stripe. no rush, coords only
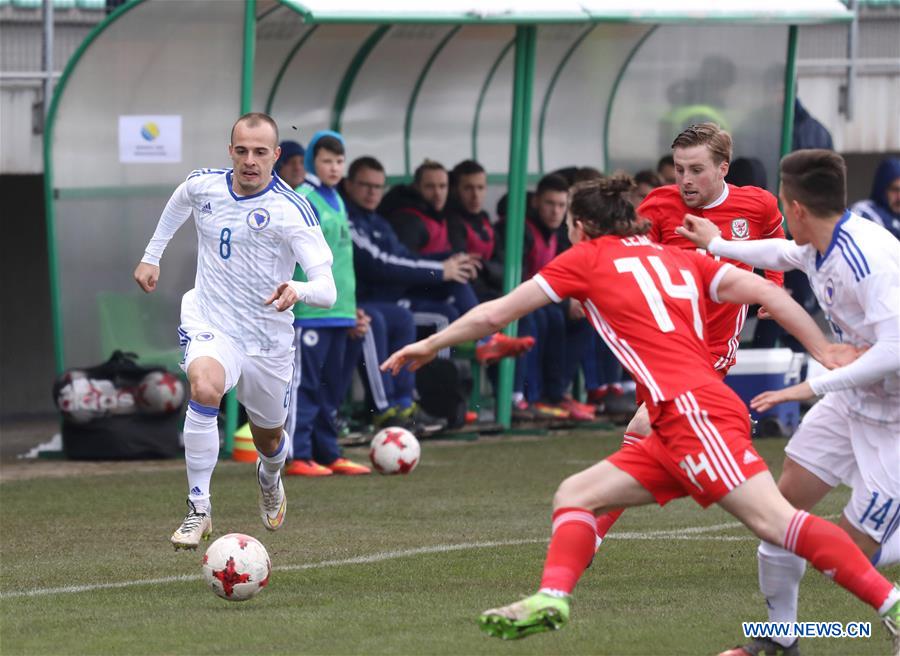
(247, 246)
(857, 284)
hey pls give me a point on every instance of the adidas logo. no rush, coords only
(196, 491)
(749, 457)
(206, 209)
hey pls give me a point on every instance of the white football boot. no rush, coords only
(272, 502)
(196, 526)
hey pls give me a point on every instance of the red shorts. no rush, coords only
(700, 446)
(642, 395)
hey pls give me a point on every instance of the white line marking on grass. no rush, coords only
(689, 533)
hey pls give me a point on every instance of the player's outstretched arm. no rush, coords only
(743, 287)
(478, 322)
(769, 254)
(146, 275)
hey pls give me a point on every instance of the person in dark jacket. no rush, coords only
(539, 382)
(470, 228)
(883, 204)
(389, 272)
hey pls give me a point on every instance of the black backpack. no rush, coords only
(444, 386)
(120, 410)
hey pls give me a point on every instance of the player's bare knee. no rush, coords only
(864, 541)
(640, 422)
(569, 494)
(205, 392)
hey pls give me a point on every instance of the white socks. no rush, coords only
(271, 465)
(201, 451)
(889, 553)
(780, 572)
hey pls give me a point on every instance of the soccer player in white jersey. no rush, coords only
(251, 230)
(852, 435)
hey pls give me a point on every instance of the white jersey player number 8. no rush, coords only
(687, 291)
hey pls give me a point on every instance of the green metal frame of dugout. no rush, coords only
(524, 90)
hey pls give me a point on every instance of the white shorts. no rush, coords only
(865, 456)
(263, 382)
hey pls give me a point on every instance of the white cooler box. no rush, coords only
(758, 370)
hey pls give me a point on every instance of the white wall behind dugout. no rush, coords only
(604, 95)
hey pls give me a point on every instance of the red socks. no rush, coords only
(571, 548)
(832, 552)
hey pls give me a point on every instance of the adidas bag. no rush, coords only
(120, 410)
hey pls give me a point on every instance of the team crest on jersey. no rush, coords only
(740, 229)
(310, 338)
(258, 219)
(829, 292)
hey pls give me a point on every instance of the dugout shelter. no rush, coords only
(523, 86)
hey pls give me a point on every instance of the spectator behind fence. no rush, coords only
(289, 166)
(809, 132)
(645, 181)
(321, 334)
(417, 213)
(883, 204)
(665, 168)
(539, 384)
(390, 272)
(470, 226)
(747, 172)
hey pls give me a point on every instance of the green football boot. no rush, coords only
(535, 614)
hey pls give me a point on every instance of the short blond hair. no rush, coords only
(706, 134)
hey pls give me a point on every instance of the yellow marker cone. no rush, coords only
(244, 450)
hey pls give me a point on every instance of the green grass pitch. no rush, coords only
(384, 565)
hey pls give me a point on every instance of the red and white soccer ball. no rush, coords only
(394, 450)
(82, 399)
(236, 567)
(160, 392)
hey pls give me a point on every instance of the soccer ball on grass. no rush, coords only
(394, 450)
(236, 567)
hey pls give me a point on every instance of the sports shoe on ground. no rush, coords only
(196, 526)
(597, 395)
(521, 411)
(535, 614)
(272, 502)
(346, 467)
(550, 411)
(500, 346)
(306, 468)
(385, 418)
(578, 411)
(891, 621)
(415, 419)
(764, 647)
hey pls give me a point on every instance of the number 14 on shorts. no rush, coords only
(693, 468)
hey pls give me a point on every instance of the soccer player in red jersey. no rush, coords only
(702, 154)
(648, 303)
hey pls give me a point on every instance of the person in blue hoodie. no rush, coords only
(321, 336)
(883, 204)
